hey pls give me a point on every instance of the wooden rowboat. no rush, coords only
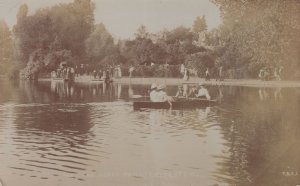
(177, 105)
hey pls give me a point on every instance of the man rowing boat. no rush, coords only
(162, 95)
(203, 92)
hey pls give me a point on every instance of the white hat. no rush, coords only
(153, 86)
(160, 87)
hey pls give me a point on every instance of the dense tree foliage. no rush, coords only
(100, 47)
(53, 34)
(254, 34)
(260, 33)
(200, 24)
(6, 48)
(171, 48)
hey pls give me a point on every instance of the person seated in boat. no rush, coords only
(203, 92)
(162, 95)
(153, 93)
(179, 92)
(193, 92)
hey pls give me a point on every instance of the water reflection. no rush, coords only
(64, 90)
(203, 113)
(277, 94)
(263, 94)
(88, 134)
(262, 140)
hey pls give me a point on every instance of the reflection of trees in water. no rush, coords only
(267, 93)
(33, 91)
(55, 118)
(53, 138)
(87, 91)
(62, 89)
(118, 90)
(8, 89)
(263, 138)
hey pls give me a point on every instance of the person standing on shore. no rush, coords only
(107, 76)
(276, 74)
(280, 72)
(95, 74)
(261, 74)
(182, 70)
(99, 74)
(186, 76)
(131, 69)
(207, 75)
(119, 71)
(220, 74)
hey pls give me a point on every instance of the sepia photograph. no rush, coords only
(149, 92)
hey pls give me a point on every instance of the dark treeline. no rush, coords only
(254, 34)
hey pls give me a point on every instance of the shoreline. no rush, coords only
(193, 80)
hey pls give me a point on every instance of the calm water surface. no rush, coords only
(88, 135)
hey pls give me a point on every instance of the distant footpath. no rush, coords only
(193, 80)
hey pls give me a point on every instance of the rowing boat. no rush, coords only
(177, 104)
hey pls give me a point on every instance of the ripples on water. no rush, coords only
(93, 137)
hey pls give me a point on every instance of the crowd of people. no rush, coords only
(69, 73)
(185, 72)
(266, 74)
(99, 73)
(64, 72)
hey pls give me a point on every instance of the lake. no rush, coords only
(55, 134)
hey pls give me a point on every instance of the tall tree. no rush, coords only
(67, 24)
(142, 33)
(22, 13)
(100, 44)
(200, 24)
(6, 48)
(259, 33)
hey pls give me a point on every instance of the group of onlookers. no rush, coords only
(265, 73)
(185, 72)
(67, 73)
(102, 74)
(99, 73)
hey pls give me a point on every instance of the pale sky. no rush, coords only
(123, 17)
